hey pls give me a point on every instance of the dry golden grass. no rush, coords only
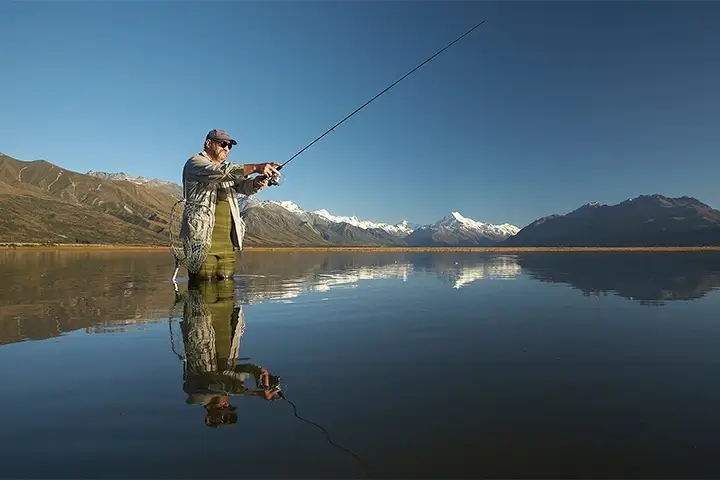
(156, 248)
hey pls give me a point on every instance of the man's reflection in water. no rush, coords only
(212, 325)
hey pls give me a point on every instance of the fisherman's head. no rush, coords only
(218, 144)
(219, 413)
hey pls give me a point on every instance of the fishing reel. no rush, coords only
(274, 386)
(273, 382)
(274, 180)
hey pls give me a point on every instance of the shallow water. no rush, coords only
(432, 364)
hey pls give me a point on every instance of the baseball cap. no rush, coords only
(220, 135)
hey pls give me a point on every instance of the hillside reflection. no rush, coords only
(46, 294)
(49, 293)
(645, 277)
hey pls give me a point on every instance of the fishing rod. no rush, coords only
(274, 180)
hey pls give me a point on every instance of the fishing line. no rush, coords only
(274, 180)
(363, 464)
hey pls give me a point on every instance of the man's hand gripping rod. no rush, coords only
(275, 179)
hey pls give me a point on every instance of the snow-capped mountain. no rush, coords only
(456, 221)
(289, 206)
(454, 229)
(401, 229)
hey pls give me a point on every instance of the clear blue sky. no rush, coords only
(547, 106)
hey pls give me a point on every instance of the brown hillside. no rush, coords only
(46, 203)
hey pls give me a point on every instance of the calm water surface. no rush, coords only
(422, 365)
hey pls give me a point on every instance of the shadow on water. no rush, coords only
(649, 278)
(211, 323)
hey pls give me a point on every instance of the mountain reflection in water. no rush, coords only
(50, 293)
(649, 278)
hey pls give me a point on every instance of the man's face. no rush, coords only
(220, 149)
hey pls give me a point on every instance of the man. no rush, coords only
(212, 230)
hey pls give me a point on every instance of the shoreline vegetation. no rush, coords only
(343, 248)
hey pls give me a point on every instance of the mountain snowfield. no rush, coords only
(453, 222)
(401, 229)
(456, 220)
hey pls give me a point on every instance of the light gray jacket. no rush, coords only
(201, 179)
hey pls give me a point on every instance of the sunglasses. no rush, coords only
(226, 144)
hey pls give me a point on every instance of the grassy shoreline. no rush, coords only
(158, 248)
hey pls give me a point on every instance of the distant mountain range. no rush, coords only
(44, 203)
(270, 222)
(645, 220)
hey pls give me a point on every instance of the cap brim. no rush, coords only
(222, 140)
